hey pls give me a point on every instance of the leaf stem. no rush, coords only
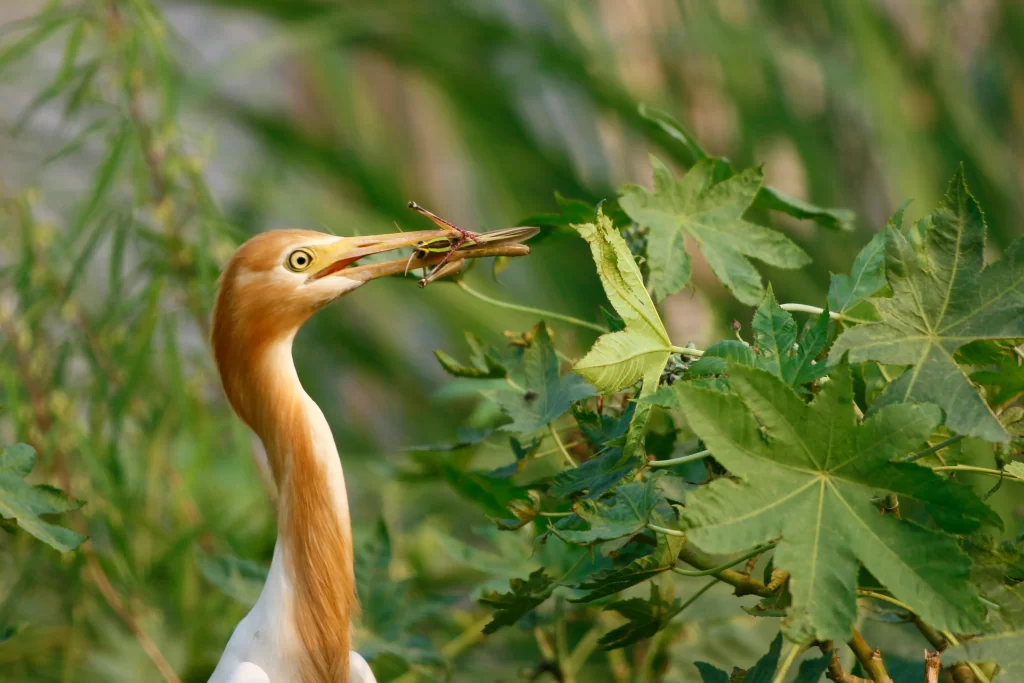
(978, 470)
(555, 514)
(804, 308)
(665, 530)
(932, 449)
(885, 598)
(699, 455)
(744, 585)
(791, 656)
(529, 309)
(696, 353)
(561, 446)
(753, 552)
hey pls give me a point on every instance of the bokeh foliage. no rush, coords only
(142, 141)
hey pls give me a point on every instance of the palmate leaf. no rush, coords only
(523, 596)
(943, 297)
(484, 363)
(24, 503)
(809, 473)
(711, 213)
(1006, 649)
(627, 514)
(539, 394)
(769, 197)
(646, 617)
(867, 276)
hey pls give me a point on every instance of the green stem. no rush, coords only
(753, 552)
(555, 514)
(665, 530)
(699, 455)
(561, 446)
(791, 656)
(864, 593)
(529, 309)
(804, 308)
(978, 470)
(704, 589)
(696, 353)
(932, 449)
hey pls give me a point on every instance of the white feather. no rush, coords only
(247, 672)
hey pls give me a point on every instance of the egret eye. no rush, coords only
(299, 260)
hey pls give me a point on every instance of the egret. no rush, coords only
(299, 630)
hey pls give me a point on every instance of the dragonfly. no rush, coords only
(504, 242)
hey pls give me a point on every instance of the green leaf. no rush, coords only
(780, 354)
(1006, 649)
(646, 617)
(711, 674)
(768, 197)
(492, 494)
(540, 395)
(484, 363)
(25, 503)
(811, 670)
(866, 277)
(764, 669)
(600, 428)
(619, 359)
(809, 474)
(628, 514)
(943, 298)
(711, 214)
(525, 594)
(610, 581)
(521, 453)
(597, 476)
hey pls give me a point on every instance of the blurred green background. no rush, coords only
(141, 141)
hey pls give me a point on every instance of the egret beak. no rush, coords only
(341, 256)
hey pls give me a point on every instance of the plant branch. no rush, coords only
(744, 585)
(870, 659)
(753, 552)
(528, 309)
(932, 664)
(835, 668)
(696, 353)
(699, 455)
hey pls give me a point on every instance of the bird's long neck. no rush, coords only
(314, 531)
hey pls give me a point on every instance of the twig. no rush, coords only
(932, 664)
(744, 585)
(870, 659)
(835, 668)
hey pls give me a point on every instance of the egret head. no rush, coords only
(278, 279)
